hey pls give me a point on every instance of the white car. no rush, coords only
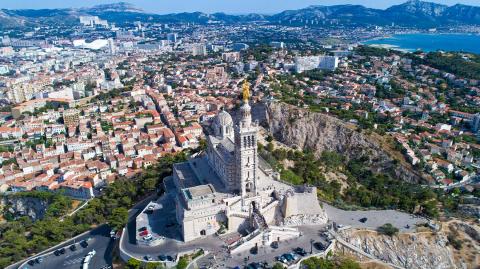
(148, 237)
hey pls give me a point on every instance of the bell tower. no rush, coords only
(246, 157)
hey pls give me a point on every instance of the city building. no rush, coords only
(323, 62)
(92, 21)
(278, 45)
(172, 37)
(198, 49)
(231, 57)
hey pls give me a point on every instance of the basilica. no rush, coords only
(229, 188)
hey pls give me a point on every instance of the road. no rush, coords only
(474, 179)
(98, 240)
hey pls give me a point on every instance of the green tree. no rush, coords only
(154, 265)
(133, 264)
(118, 218)
(270, 146)
(182, 263)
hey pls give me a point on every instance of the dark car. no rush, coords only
(274, 244)
(169, 258)
(142, 229)
(300, 251)
(39, 260)
(59, 252)
(289, 256)
(281, 259)
(162, 258)
(73, 247)
(148, 258)
(254, 250)
(255, 265)
(363, 220)
(319, 246)
(31, 262)
(84, 244)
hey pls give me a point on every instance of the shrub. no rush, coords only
(388, 229)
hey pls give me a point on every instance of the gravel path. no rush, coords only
(375, 218)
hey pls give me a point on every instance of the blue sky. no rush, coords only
(209, 6)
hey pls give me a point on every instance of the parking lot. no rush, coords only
(72, 258)
(268, 254)
(157, 223)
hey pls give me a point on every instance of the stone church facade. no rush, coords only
(226, 188)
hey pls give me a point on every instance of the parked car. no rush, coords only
(300, 251)
(148, 237)
(84, 244)
(149, 209)
(162, 258)
(31, 262)
(169, 258)
(319, 246)
(254, 250)
(363, 220)
(148, 258)
(142, 229)
(281, 259)
(255, 265)
(290, 257)
(39, 260)
(73, 247)
(144, 233)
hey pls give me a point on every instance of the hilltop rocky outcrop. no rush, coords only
(425, 249)
(305, 130)
(20, 206)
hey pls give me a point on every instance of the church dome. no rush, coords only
(223, 119)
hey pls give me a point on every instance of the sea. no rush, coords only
(429, 42)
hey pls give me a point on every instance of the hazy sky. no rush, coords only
(209, 6)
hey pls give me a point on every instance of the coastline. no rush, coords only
(410, 42)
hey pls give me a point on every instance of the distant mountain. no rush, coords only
(9, 21)
(339, 14)
(413, 13)
(115, 7)
(464, 13)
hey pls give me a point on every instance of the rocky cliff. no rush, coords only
(426, 250)
(423, 250)
(303, 129)
(16, 206)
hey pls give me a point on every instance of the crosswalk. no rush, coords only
(73, 261)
